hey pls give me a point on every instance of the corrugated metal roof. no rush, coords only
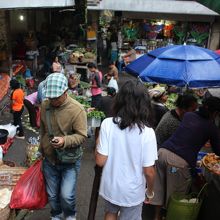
(155, 6)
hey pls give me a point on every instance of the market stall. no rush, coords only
(75, 59)
(145, 35)
(158, 33)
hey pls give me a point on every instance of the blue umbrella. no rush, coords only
(179, 65)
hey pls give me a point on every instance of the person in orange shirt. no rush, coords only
(17, 106)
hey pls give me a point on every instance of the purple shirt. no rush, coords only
(32, 98)
(194, 131)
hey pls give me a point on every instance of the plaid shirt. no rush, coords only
(56, 85)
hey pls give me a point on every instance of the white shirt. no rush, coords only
(123, 182)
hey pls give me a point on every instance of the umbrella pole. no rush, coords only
(94, 194)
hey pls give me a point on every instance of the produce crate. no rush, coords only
(94, 122)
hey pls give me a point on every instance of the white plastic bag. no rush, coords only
(12, 129)
(88, 93)
(113, 83)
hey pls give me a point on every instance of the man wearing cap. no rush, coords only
(159, 98)
(63, 130)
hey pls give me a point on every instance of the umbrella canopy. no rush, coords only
(179, 65)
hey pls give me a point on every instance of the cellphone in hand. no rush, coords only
(54, 141)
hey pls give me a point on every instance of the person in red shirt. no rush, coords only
(17, 106)
(96, 84)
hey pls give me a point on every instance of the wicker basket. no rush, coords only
(8, 179)
(5, 213)
(207, 166)
(10, 175)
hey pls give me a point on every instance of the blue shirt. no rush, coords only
(194, 131)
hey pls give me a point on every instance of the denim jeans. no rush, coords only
(61, 187)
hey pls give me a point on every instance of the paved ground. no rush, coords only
(17, 154)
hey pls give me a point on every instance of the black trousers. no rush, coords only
(17, 121)
(96, 100)
(32, 112)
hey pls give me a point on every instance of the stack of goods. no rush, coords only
(212, 163)
(82, 55)
(32, 150)
(76, 57)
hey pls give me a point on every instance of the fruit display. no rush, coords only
(212, 162)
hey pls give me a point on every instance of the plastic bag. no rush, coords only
(113, 83)
(88, 93)
(30, 190)
(10, 128)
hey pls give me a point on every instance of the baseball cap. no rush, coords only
(56, 85)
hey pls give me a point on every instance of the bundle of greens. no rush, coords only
(96, 114)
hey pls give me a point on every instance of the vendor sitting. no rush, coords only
(73, 82)
(112, 72)
(129, 56)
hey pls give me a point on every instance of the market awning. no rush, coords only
(212, 4)
(155, 6)
(11, 4)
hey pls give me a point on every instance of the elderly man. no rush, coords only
(63, 130)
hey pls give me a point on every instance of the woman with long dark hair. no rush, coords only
(127, 151)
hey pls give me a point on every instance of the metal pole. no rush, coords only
(94, 194)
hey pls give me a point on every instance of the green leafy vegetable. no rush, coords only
(96, 114)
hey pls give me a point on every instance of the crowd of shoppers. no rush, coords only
(146, 150)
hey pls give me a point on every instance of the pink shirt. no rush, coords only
(96, 90)
(32, 98)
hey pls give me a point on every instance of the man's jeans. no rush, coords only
(61, 187)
